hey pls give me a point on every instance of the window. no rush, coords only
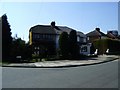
(37, 36)
(84, 49)
(35, 47)
(48, 36)
(84, 39)
(78, 39)
(88, 38)
(40, 36)
(43, 36)
(38, 48)
(33, 35)
(81, 39)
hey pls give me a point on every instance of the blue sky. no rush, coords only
(81, 16)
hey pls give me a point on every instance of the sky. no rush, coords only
(81, 16)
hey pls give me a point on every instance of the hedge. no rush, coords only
(103, 44)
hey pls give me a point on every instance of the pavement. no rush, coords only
(66, 63)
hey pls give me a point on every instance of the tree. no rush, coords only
(92, 49)
(63, 44)
(27, 52)
(6, 38)
(18, 49)
(73, 45)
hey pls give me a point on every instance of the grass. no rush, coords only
(4, 63)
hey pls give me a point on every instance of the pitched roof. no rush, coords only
(81, 34)
(110, 35)
(43, 29)
(48, 29)
(95, 33)
(65, 29)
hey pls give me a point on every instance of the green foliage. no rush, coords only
(20, 48)
(103, 44)
(63, 44)
(92, 49)
(6, 38)
(69, 47)
(43, 52)
(27, 52)
(73, 37)
(40, 52)
(73, 45)
(36, 57)
(114, 46)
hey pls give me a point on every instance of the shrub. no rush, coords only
(63, 45)
(103, 44)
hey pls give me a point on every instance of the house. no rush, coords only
(46, 37)
(92, 36)
(96, 34)
(113, 34)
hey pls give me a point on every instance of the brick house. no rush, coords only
(96, 34)
(46, 37)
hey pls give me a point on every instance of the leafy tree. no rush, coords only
(73, 37)
(27, 52)
(73, 45)
(6, 38)
(92, 49)
(63, 44)
(20, 48)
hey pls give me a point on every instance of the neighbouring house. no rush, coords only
(113, 34)
(91, 37)
(96, 34)
(45, 38)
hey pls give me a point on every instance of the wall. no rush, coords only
(30, 38)
(92, 38)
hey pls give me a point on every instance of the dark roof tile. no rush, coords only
(43, 29)
(48, 29)
(95, 33)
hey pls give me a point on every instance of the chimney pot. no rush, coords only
(53, 23)
(98, 29)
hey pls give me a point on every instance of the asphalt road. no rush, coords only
(103, 75)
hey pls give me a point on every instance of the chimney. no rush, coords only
(53, 24)
(98, 29)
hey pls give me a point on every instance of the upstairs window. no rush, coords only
(88, 38)
(78, 38)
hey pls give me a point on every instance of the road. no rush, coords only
(94, 76)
